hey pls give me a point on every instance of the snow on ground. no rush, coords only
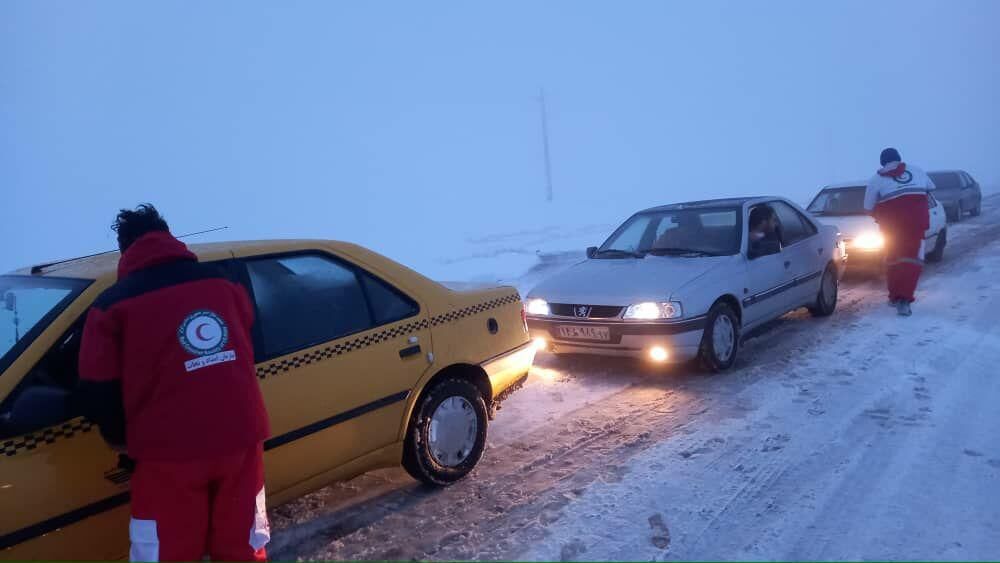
(880, 443)
(863, 435)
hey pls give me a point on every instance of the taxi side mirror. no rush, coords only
(763, 248)
(35, 408)
(591, 251)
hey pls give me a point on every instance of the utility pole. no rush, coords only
(545, 143)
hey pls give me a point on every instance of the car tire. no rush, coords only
(977, 210)
(712, 352)
(954, 214)
(826, 298)
(937, 253)
(447, 433)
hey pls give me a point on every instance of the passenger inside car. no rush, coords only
(763, 224)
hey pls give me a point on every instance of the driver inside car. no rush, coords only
(763, 224)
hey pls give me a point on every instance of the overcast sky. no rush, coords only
(412, 126)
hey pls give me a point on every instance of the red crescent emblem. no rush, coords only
(197, 332)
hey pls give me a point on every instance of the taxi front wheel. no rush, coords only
(447, 435)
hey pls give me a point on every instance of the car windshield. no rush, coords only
(945, 180)
(27, 305)
(839, 201)
(681, 232)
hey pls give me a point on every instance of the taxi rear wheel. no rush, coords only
(721, 340)
(447, 435)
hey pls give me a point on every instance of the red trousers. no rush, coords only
(903, 264)
(903, 221)
(184, 510)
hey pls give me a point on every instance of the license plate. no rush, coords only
(585, 332)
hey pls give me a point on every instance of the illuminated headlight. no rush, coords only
(538, 307)
(651, 311)
(869, 241)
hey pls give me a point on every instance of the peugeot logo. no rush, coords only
(582, 311)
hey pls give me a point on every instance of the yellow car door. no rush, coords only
(64, 494)
(339, 350)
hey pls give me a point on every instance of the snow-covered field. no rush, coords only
(860, 436)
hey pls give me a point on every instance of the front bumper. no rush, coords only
(866, 259)
(681, 339)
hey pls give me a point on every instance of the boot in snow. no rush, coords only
(903, 308)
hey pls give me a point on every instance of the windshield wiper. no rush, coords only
(620, 252)
(672, 250)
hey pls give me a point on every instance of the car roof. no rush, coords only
(106, 264)
(710, 203)
(856, 184)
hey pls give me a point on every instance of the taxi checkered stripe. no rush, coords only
(453, 316)
(328, 352)
(47, 436)
(295, 362)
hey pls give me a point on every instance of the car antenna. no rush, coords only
(39, 268)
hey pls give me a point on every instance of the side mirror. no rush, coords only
(763, 248)
(591, 251)
(36, 408)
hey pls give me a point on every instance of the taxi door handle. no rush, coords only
(409, 351)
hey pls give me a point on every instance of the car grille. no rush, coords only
(596, 311)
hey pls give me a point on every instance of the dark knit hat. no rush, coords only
(890, 155)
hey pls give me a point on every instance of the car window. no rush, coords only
(388, 305)
(304, 300)
(839, 201)
(712, 231)
(945, 180)
(794, 227)
(44, 396)
(27, 305)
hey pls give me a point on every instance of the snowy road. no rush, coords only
(863, 435)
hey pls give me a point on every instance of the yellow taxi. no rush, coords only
(363, 363)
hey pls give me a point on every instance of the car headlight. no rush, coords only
(650, 311)
(869, 241)
(538, 307)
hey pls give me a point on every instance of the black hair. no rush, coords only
(889, 155)
(132, 224)
(760, 214)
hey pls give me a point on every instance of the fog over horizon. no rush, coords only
(415, 128)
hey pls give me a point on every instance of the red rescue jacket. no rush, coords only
(175, 335)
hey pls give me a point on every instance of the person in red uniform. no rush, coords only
(897, 199)
(167, 373)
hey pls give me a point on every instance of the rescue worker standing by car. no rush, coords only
(167, 372)
(897, 198)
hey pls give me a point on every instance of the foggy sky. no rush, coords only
(412, 126)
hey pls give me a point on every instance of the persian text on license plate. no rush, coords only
(585, 332)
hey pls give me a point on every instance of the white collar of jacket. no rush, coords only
(889, 167)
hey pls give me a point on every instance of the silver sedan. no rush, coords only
(685, 281)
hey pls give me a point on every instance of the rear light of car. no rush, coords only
(524, 318)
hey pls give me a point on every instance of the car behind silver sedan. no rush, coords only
(684, 281)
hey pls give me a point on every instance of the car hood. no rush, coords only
(850, 226)
(622, 282)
